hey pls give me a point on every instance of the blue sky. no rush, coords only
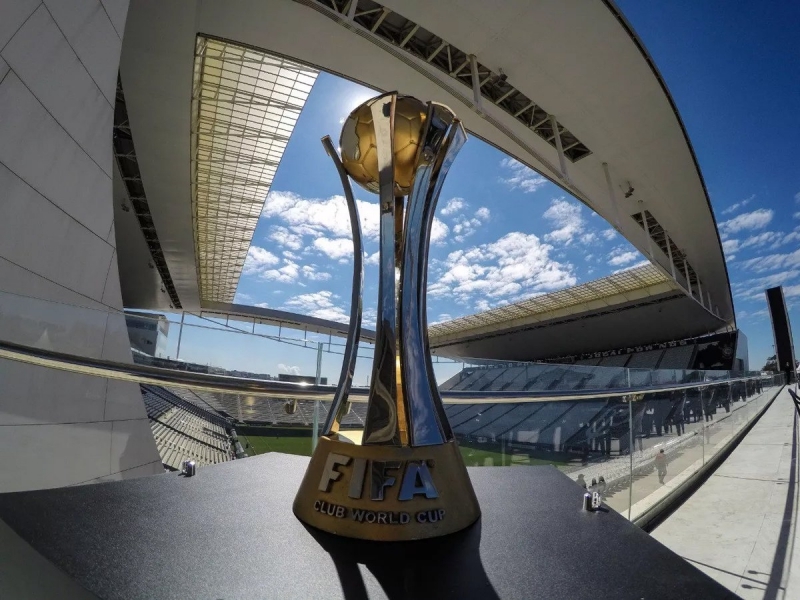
(503, 233)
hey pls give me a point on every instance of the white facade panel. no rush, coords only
(111, 291)
(46, 456)
(49, 67)
(117, 11)
(124, 401)
(35, 147)
(14, 13)
(57, 248)
(126, 451)
(22, 282)
(59, 280)
(59, 396)
(89, 31)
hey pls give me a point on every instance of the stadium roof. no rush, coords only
(566, 88)
(633, 307)
(245, 106)
(626, 286)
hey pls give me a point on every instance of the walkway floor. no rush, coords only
(740, 526)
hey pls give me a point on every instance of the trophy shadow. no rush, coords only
(445, 567)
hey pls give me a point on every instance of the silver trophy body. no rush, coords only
(407, 479)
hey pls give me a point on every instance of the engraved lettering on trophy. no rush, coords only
(417, 480)
(380, 479)
(430, 516)
(330, 474)
(330, 509)
(357, 478)
(380, 517)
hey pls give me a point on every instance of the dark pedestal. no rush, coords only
(229, 532)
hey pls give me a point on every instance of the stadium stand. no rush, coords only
(616, 360)
(678, 357)
(258, 410)
(183, 431)
(645, 360)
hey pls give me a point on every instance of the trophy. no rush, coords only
(406, 480)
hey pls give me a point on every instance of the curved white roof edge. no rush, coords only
(280, 318)
(580, 62)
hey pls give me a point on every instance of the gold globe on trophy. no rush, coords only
(407, 479)
(359, 147)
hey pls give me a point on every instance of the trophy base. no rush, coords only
(355, 491)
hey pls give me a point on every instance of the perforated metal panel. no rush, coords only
(245, 106)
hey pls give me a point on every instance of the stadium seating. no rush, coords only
(679, 357)
(184, 431)
(645, 360)
(617, 360)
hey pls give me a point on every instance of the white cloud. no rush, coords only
(442, 318)
(641, 263)
(261, 305)
(588, 238)
(258, 260)
(464, 227)
(284, 237)
(453, 206)
(334, 248)
(241, 298)
(796, 215)
(521, 177)
(483, 213)
(315, 216)
(288, 273)
(746, 314)
(608, 234)
(620, 257)
(318, 304)
(330, 217)
(729, 247)
(797, 197)
(517, 263)
(734, 207)
(439, 232)
(757, 219)
(290, 369)
(772, 262)
(787, 238)
(752, 289)
(566, 218)
(372, 259)
(760, 239)
(310, 272)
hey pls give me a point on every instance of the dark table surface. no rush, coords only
(229, 533)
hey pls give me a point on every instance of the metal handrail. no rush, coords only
(137, 373)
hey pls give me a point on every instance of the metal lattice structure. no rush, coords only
(494, 87)
(245, 104)
(632, 284)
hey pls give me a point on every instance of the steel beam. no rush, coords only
(561, 158)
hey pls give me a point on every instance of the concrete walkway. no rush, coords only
(740, 526)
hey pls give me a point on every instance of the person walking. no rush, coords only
(661, 465)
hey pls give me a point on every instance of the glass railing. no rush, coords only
(591, 422)
(636, 448)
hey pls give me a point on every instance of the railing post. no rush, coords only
(630, 451)
(317, 380)
(180, 335)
